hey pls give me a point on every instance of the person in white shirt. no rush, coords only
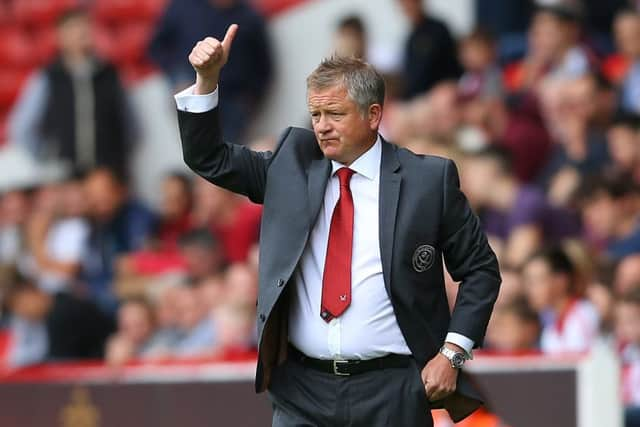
(570, 322)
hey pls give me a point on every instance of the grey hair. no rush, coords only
(364, 85)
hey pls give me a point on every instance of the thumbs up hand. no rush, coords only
(208, 57)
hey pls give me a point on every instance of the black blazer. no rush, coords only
(423, 217)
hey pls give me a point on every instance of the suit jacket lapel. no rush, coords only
(319, 172)
(390, 182)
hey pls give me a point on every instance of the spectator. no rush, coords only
(569, 322)
(514, 328)
(511, 288)
(198, 332)
(351, 38)
(516, 216)
(120, 225)
(627, 33)
(247, 75)
(163, 255)
(627, 330)
(610, 214)
(627, 327)
(235, 317)
(430, 51)
(233, 219)
(482, 78)
(54, 327)
(202, 255)
(623, 139)
(627, 275)
(580, 144)
(164, 297)
(175, 211)
(135, 328)
(554, 52)
(57, 235)
(508, 20)
(75, 109)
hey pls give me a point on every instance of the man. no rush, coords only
(119, 225)
(430, 54)
(248, 74)
(75, 109)
(345, 338)
(516, 216)
(627, 35)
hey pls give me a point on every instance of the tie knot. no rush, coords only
(344, 175)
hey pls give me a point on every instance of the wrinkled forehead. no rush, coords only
(326, 96)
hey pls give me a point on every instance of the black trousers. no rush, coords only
(305, 397)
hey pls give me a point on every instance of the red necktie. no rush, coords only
(336, 281)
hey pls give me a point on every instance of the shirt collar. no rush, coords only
(367, 165)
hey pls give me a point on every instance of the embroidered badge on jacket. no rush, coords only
(423, 258)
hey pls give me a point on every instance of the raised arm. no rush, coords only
(233, 167)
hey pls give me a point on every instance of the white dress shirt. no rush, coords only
(368, 328)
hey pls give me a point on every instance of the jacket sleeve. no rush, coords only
(231, 166)
(469, 260)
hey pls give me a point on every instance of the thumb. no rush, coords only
(228, 38)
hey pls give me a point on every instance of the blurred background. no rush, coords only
(113, 255)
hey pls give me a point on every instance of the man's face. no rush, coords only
(175, 198)
(627, 34)
(342, 131)
(600, 216)
(104, 196)
(539, 284)
(627, 322)
(75, 37)
(623, 146)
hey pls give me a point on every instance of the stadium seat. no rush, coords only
(5, 14)
(16, 48)
(46, 44)
(41, 12)
(133, 39)
(123, 10)
(105, 40)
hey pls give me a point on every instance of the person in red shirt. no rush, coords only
(232, 219)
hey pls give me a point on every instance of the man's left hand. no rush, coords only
(438, 377)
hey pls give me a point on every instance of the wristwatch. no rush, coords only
(456, 359)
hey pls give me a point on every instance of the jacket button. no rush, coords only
(262, 317)
(280, 283)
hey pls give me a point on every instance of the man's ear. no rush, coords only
(375, 116)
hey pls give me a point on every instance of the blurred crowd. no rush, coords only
(539, 106)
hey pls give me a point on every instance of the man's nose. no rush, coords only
(323, 125)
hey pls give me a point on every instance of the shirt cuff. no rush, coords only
(462, 341)
(189, 102)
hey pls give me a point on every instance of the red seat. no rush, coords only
(16, 48)
(46, 42)
(106, 42)
(133, 39)
(41, 12)
(6, 14)
(123, 10)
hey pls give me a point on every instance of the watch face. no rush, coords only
(457, 360)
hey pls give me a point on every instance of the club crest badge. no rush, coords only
(423, 258)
